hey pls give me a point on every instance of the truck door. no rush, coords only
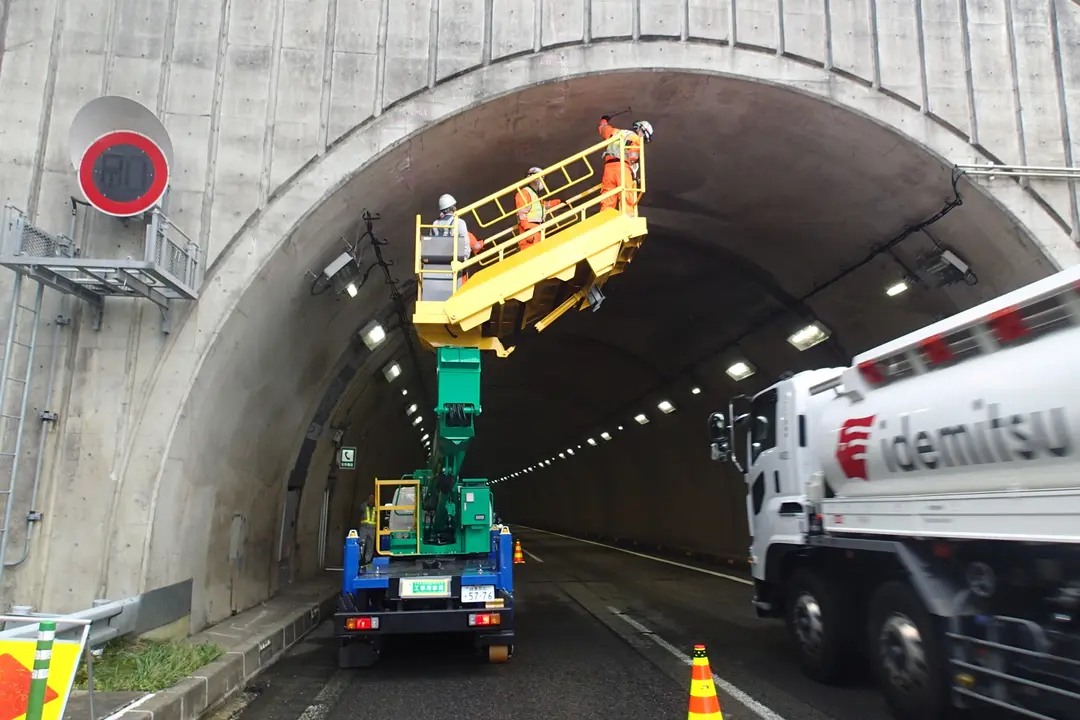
(767, 453)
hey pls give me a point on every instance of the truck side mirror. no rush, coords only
(719, 444)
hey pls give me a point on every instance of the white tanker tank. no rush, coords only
(996, 419)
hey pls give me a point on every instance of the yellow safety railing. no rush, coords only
(505, 242)
(380, 531)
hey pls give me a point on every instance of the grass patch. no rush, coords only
(146, 665)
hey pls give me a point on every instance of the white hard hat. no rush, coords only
(535, 170)
(646, 129)
(446, 201)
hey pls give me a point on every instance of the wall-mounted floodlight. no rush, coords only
(417, 420)
(809, 336)
(373, 334)
(640, 418)
(665, 407)
(605, 435)
(591, 442)
(392, 371)
(411, 409)
(894, 290)
(342, 274)
(740, 370)
(695, 391)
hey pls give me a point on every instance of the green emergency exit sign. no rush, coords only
(347, 458)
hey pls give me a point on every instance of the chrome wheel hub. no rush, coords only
(900, 650)
(809, 628)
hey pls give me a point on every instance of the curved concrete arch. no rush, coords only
(308, 207)
(243, 261)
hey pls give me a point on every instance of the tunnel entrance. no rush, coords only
(761, 201)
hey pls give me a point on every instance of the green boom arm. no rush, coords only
(458, 376)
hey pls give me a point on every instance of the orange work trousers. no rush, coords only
(611, 181)
(524, 227)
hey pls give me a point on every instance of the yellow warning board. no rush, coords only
(16, 662)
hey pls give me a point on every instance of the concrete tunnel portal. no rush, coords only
(757, 195)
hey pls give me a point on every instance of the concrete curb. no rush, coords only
(193, 696)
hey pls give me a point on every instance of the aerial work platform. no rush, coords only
(489, 299)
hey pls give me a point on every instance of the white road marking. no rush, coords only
(531, 555)
(326, 699)
(733, 578)
(132, 706)
(751, 704)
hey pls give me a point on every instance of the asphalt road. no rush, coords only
(600, 634)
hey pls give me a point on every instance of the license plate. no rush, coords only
(424, 587)
(477, 593)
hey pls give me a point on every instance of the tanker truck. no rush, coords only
(917, 514)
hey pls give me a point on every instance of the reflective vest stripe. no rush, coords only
(534, 211)
(619, 138)
(369, 516)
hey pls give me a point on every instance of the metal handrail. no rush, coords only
(415, 507)
(505, 243)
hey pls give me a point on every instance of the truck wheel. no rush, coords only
(818, 617)
(357, 653)
(907, 654)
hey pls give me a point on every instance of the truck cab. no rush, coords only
(770, 445)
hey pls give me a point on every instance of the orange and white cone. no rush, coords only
(703, 700)
(519, 558)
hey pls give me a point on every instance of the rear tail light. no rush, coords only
(362, 623)
(481, 619)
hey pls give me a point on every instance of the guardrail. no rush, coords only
(23, 624)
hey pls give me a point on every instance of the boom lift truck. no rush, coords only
(442, 564)
(922, 507)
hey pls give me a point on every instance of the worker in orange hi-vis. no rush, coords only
(622, 167)
(531, 210)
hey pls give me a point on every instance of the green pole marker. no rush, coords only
(35, 706)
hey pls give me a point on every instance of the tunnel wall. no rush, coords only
(149, 436)
(652, 484)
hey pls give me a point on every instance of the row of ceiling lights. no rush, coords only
(802, 340)
(373, 335)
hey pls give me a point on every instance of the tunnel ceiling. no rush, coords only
(756, 195)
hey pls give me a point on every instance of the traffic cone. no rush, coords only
(703, 700)
(518, 557)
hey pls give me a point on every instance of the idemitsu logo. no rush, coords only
(851, 446)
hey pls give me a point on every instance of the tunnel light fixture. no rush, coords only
(740, 370)
(548, 462)
(404, 391)
(591, 442)
(809, 336)
(425, 437)
(896, 289)
(570, 451)
(620, 428)
(640, 418)
(695, 391)
(605, 435)
(351, 289)
(392, 371)
(665, 407)
(417, 420)
(373, 334)
(562, 455)
(411, 409)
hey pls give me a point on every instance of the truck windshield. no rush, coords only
(762, 424)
